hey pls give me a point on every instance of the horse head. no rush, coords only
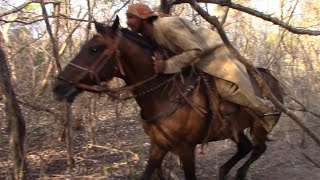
(112, 52)
(95, 63)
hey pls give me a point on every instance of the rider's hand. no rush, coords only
(158, 65)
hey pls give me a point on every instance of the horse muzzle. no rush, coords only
(65, 91)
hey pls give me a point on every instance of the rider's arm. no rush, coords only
(182, 38)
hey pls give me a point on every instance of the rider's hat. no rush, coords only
(141, 10)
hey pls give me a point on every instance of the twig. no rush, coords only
(19, 8)
(38, 107)
(26, 45)
(118, 10)
(256, 13)
(61, 16)
(52, 38)
(310, 160)
(281, 37)
(304, 109)
(304, 154)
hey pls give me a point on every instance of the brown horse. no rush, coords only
(176, 113)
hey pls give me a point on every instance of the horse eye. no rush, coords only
(93, 50)
(96, 49)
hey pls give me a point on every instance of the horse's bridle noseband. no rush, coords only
(96, 67)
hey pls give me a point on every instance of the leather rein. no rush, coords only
(120, 93)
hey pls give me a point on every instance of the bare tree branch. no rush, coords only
(61, 16)
(37, 107)
(19, 8)
(165, 6)
(256, 13)
(265, 89)
(90, 7)
(281, 37)
(224, 17)
(27, 44)
(303, 108)
(14, 117)
(53, 40)
(118, 10)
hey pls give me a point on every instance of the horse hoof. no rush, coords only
(222, 177)
(222, 174)
(240, 176)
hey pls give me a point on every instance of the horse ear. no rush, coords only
(116, 24)
(101, 28)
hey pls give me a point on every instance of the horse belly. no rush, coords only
(185, 126)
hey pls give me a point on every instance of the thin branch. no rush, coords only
(118, 10)
(258, 14)
(53, 40)
(265, 89)
(303, 108)
(21, 22)
(61, 16)
(281, 37)
(36, 107)
(28, 44)
(64, 45)
(22, 6)
(90, 8)
(165, 6)
(225, 15)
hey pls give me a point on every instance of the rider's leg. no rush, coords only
(263, 107)
(231, 92)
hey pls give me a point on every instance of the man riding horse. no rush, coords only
(200, 47)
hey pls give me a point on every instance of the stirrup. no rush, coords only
(272, 114)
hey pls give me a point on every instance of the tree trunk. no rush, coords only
(16, 123)
(55, 41)
(68, 112)
(165, 6)
(5, 36)
(69, 135)
(44, 81)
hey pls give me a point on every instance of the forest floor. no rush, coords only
(121, 152)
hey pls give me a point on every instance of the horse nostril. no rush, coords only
(55, 89)
(58, 89)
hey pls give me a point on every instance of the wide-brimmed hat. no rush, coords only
(141, 10)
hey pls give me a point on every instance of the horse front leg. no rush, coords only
(244, 147)
(258, 136)
(156, 155)
(187, 158)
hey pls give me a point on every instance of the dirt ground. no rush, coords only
(121, 152)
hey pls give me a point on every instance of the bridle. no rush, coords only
(93, 71)
(121, 93)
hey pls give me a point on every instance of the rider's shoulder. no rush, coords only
(164, 21)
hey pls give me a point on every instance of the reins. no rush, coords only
(122, 93)
(94, 70)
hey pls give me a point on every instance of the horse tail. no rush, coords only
(273, 83)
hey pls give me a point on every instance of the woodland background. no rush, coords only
(40, 36)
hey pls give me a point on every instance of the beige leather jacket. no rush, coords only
(200, 47)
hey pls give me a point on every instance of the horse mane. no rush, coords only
(140, 40)
(146, 43)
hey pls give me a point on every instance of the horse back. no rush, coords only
(271, 82)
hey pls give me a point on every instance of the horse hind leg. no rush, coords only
(244, 147)
(259, 137)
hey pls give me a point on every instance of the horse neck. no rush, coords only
(136, 61)
(138, 66)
